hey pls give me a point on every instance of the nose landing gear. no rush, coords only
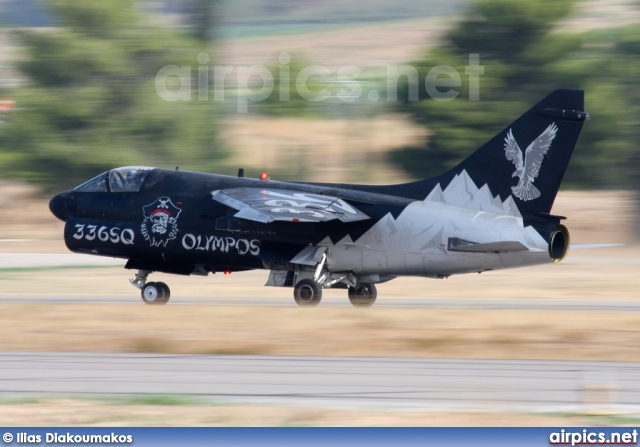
(151, 292)
(155, 293)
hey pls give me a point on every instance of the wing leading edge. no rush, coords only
(286, 205)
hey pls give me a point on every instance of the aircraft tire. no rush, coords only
(307, 292)
(363, 295)
(165, 290)
(152, 293)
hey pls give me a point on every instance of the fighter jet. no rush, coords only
(490, 212)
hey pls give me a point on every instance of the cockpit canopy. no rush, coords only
(126, 179)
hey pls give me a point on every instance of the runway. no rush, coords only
(283, 297)
(382, 302)
(328, 382)
(52, 260)
(334, 382)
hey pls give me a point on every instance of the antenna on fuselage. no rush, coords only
(240, 172)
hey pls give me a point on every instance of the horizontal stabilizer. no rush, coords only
(457, 244)
(267, 205)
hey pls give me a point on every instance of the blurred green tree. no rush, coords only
(525, 57)
(621, 72)
(285, 98)
(622, 96)
(201, 18)
(91, 102)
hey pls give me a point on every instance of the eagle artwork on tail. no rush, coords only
(528, 167)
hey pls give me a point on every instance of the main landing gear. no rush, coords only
(152, 292)
(309, 276)
(363, 295)
(308, 292)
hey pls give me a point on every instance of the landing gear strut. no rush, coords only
(152, 292)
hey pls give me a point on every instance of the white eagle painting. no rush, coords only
(528, 166)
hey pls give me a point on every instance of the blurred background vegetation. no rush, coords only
(89, 102)
(526, 55)
(86, 100)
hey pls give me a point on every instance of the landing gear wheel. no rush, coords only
(153, 293)
(307, 292)
(165, 290)
(363, 295)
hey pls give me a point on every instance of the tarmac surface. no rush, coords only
(331, 382)
(50, 260)
(339, 382)
(287, 301)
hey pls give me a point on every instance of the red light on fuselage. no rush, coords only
(264, 176)
(227, 272)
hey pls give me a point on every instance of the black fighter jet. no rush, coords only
(490, 212)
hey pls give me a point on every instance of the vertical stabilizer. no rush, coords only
(523, 164)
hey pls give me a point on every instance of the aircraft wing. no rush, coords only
(286, 205)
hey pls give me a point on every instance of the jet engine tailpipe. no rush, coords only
(559, 243)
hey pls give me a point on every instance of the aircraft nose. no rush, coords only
(60, 206)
